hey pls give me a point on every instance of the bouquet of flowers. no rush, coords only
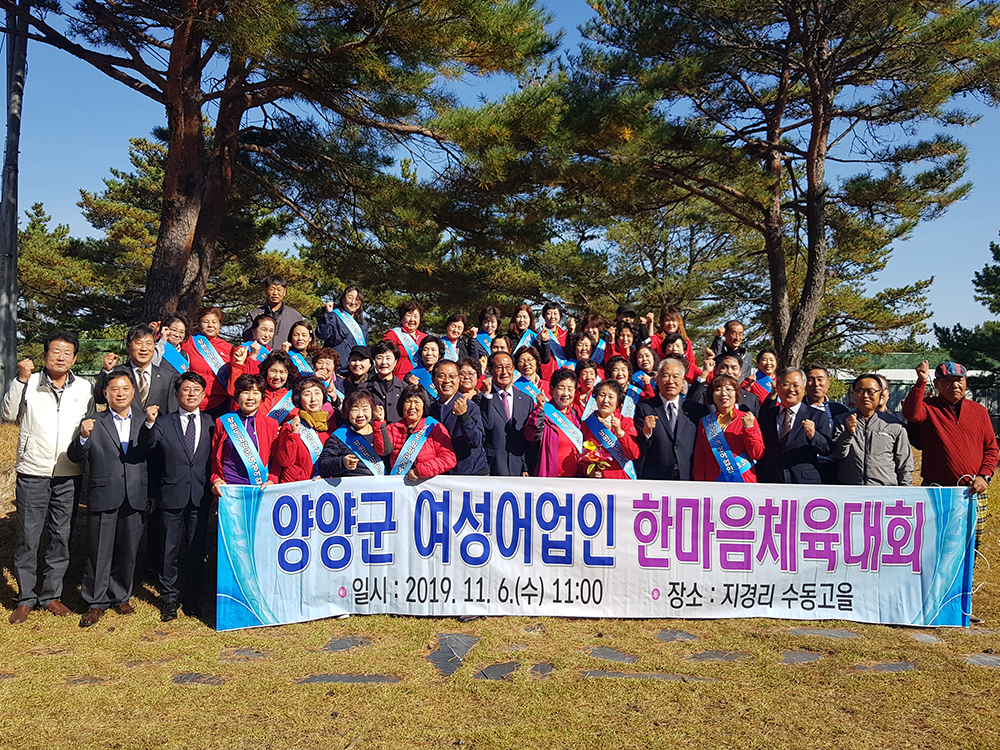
(594, 458)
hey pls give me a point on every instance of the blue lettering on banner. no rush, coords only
(520, 526)
(438, 513)
(475, 516)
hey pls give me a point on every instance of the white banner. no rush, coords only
(459, 545)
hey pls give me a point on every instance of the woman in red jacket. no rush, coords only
(406, 337)
(209, 356)
(302, 437)
(729, 441)
(421, 446)
(609, 397)
(761, 383)
(247, 463)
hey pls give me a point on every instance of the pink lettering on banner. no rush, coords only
(648, 526)
(871, 521)
(735, 547)
(781, 523)
(821, 543)
(904, 530)
(696, 531)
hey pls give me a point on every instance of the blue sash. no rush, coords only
(425, 380)
(589, 408)
(411, 448)
(336, 389)
(351, 325)
(310, 439)
(240, 438)
(556, 348)
(764, 381)
(526, 338)
(565, 424)
(485, 341)
(609, 441)
(598, 355)
(733, 467)
(632, 394)
(362, 449)
(174, 358)
(450, 350)
(282, 407)
(263, 354)
(408, 342)
(301, 363)
(637, 378)
(525, 385)
(211, 357)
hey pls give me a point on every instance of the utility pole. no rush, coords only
(17, 55)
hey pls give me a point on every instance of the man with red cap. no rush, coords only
(956, 435)
(959, 446)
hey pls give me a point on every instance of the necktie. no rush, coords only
(505, 397)
(143, 387)
(189, 435)
(786, 426)
(671, 419)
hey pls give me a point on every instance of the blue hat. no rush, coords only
(950, 370)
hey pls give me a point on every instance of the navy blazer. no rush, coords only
(506, 448)
(667, 456)
(467, 436)
(183, 479)
(798, 463)
(115, 476)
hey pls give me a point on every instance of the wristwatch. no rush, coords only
(988, 479)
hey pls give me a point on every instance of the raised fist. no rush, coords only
(152, 412)
(650, 423)
(748, 419)
(923, 371)
(240, 354)
(86, 427)
(24, 369)
(571, 325)
(295, 425)
(350, 462)
(379, 413)
(851, 423)
(329, 306)
(810, 428)
(461, 406)
(110, 360)
(720, 331)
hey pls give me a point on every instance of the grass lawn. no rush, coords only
(115, 685)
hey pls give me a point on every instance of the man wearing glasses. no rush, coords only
(869, 448)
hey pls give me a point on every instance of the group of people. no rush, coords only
(188, 413)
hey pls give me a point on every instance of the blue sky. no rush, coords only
(77, 123)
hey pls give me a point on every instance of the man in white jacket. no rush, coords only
(49, 405)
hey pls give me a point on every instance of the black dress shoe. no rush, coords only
(169, 613)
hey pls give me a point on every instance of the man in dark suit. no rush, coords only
(668, 424)
(462, 419)
(817, 386)
(727, 364)
(114, 442)
(505, 410)
(154, 384)
(154, 387)
(795, 434)
(182, 443)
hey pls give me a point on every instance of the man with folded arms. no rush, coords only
(48, 406)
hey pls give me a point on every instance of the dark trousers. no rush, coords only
(184, 532)
(113, 538)
(40, 503)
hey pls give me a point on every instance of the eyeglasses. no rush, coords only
(868, 392)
